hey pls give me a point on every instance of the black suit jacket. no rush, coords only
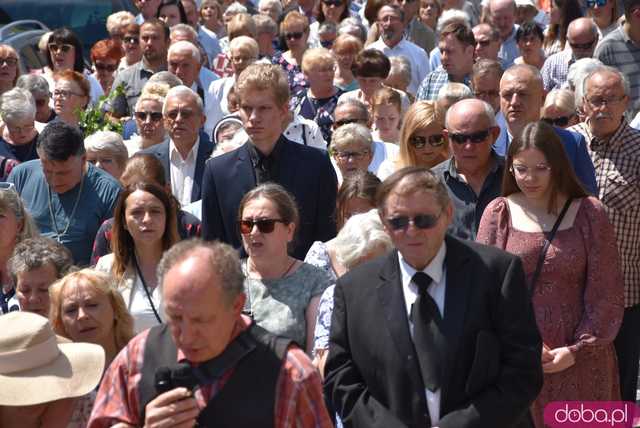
(161, 151)
(306, 172)
(492, 367)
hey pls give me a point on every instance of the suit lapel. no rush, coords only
(459, 282)
(204, 152)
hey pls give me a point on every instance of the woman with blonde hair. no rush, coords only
(148, 117)
(422, 142)
(295, 31)
(559, 108)
(86, 307)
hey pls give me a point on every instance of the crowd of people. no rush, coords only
(322, 213)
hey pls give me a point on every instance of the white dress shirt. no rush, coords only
(437, 272)
(212, 110)
(182, 172)
(220, 90)
(415, 54)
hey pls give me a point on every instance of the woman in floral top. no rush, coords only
(295, 31)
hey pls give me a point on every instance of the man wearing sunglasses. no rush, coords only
(582, 38)
(268, 156)
(473, 175)
(438, 333)
(521, 99)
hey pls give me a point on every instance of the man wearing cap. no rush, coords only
(243, 375)
(41, 373)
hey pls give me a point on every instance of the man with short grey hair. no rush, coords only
(503, 17)
(473, 175)
(582, 38)
(615, 150)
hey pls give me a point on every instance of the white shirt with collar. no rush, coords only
(437, 272)
(415, 54)
(212, 110)
(182, 172)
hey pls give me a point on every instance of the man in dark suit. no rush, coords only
(438, 333)
(304, 171)
(184, 155)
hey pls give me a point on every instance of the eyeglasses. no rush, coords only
(20, 129)
(55, 48)
(108, 67)
(66, 94)
(561, 121)
(474, 138)
(10, 61)
(582, 46)
(356, 156)
(131, 40)
(594, 3)
(142, 116)
(601, 101)
(418, 141)
(339, 123)
(265, 225)
(421, 221)
(522, 171)
(293, 36)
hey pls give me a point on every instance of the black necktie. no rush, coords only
(427, 337)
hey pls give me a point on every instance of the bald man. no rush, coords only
(503, 18)
(521, 98)
(582, 36)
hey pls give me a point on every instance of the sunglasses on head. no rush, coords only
(108, 67)
(558, 121)
(53, 47)
(293, 36)
(594, 3)
(421, 221)
(265, 225)
(418, 141)
(131, 40)
(142, 116)
(474, 138)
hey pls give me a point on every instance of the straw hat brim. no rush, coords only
(73, 373)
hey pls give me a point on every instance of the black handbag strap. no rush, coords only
(146, 289)
(545, 247)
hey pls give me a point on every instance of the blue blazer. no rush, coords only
(576, 148)
(306, 172)
(161, 151)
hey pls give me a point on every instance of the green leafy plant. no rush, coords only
(95, 118)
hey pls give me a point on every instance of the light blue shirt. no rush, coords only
(509, 50)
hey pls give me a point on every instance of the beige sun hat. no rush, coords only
(36, 366)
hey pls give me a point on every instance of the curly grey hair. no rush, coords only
(34, 253)
(17, 104)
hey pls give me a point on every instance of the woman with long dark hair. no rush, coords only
(561, 14)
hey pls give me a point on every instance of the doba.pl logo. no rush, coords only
(591, 414)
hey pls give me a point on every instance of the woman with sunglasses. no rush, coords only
(561, 14)
(329, 10)
(294, 29)
(105, 57)
(144, 227)
(9, 68)
(574, 280)
(282, 292)
(421, 140)
(605, 14)
(65, 53)
(148, 117)
(559, 108)
(131, 46)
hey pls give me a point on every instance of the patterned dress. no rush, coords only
(297, 81)
(578, 299)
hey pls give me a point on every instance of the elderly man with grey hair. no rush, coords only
(451, 93)
(184, 155)
(184, 60)
(39, 88)
(614, 147)
(351, 149)
(473, 176)
(19, 134)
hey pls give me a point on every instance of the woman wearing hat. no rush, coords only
(41, 373)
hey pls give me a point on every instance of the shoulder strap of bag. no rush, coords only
(547, 243)
(146, 289)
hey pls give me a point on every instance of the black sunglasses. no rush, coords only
(294, 36)
(339, 123)
(336, 3)
(142, 116)
(558, 121)
(131, 40)
(53, 47)
(475, 138)
(108, 67)
(265, 225)
(419, 142)
(421, 221)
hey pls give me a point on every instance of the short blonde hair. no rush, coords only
(242, 24)
(317, 57)
(118, 20)
(351, 133)
(348, 43)
(561, 98)
(102, 283)
(264, 77)
(245, 44)
(153, 91)
(293, 18)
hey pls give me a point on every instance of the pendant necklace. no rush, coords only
(54, 224)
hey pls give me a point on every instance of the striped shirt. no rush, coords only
(619, 51)
(298, 403)
(555, 69)
(432, 84)
(617, 164)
